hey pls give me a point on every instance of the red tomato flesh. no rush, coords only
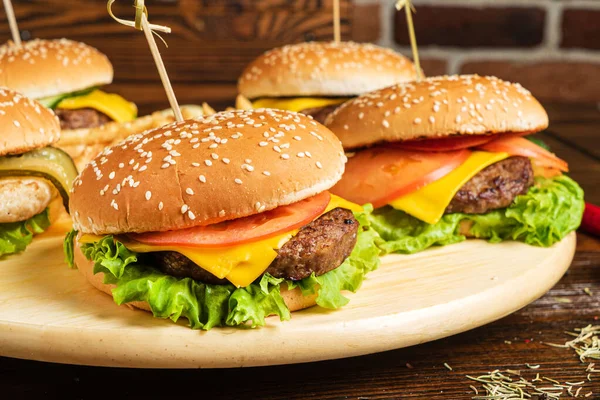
(452, 143)
(444, 144)
(518, 146)
(242, 230)
(381, 174)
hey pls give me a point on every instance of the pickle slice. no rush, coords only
(49, 163)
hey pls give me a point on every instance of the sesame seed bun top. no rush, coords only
(206, 170)
(437, 107)
(324, 69)
(26, 124)
(44, 68)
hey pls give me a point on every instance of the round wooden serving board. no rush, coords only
(48, 312)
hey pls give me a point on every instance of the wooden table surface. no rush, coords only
(412, 373)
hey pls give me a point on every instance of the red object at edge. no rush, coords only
(591, 219)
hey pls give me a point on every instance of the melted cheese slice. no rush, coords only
(297, 103)
(113, 105)
(429, 203)
(240, 264)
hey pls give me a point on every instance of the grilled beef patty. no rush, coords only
(319, 114)
(81, 118)
(493, 187)
(318, 247)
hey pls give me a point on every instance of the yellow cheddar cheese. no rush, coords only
(297, 103)
(113, 105)
(429, 202)
(240, 264)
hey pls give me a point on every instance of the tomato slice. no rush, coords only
(451, 143)
(242, 230)
(444, 144)
(518, 146)
(381, 174)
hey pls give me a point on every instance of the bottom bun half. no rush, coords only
(293, 298)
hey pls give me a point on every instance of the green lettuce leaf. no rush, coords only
(206, 305)
(68, 244)
(547, 213)
(16, 236)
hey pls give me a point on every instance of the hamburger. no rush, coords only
(35, 177)
(67, 77)
(315, 77)
(222, 220)
(447, 158)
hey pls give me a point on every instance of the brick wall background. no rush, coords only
(552, 47)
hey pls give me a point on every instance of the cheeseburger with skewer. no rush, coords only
(223, 220)
(315, 77)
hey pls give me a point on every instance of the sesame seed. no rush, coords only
(165, 165)
(222, 213)
(202, 178)
(225, 160)
(385, 123)
(214, 156)
(148, 195)
(301, 154)
(238, 181)
(266, 173)
(285, 156)
(17, 124)
(111, 175)
(195, 164)
(297, 138)
(319, 165)
(191, 215)
(189, 191)
(432, 119)
(458, 119)
(361, 115)
(184, 208)
(263, 144)
(160, 206)
(208, 163)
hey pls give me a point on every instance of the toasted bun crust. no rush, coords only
(43, 68)
(437, 107)
(26, 124)
(206, 170)
(293, 298)
(324, 69)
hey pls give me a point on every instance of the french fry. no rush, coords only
(242, 103)
(208, 110)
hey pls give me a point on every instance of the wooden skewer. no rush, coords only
(336, 21)
(12, 22)
(408, 8)
(161, 69)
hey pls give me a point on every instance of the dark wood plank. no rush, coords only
(210, 41)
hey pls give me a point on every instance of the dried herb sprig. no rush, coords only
(586, 343)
